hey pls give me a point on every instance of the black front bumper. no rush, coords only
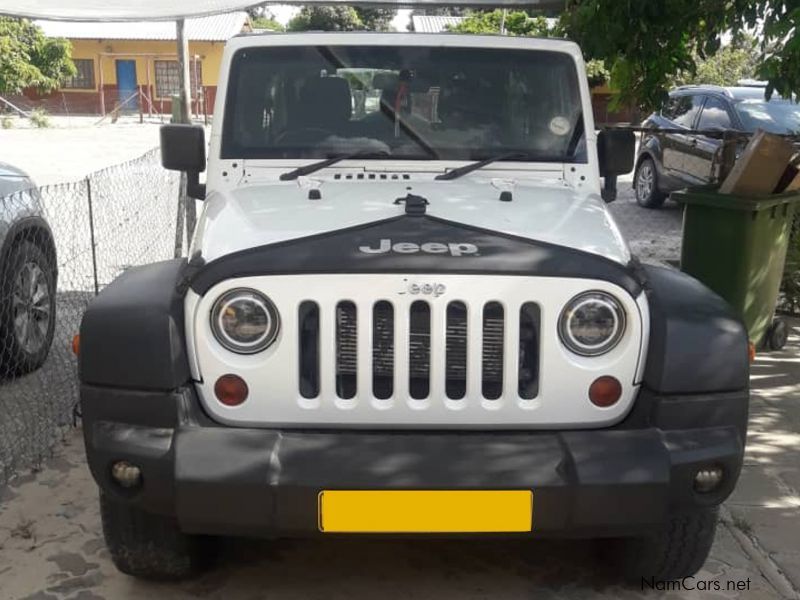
(265, 482)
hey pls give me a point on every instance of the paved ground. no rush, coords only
(51, 543)
(653, 235)
(74, 147)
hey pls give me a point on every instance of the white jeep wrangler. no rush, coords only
(407, 310)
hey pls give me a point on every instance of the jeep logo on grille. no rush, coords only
(454, 249)
(424, 289)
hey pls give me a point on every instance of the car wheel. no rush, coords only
(777, 335)
(645, 185)
(676, 551)
(28, 313)
(150, 546)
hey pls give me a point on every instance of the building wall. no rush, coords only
(104, 96)
(105, 52)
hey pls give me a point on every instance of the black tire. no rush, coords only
(27, 318)
(150, 546)
(645, 185)
(679, 550)
(777, 335)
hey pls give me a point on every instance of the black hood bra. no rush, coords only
(414, 244)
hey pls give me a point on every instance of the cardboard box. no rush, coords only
(759, 169)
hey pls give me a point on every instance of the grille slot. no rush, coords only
(492, 354)
(308, 334)
(382, 350)
(483, 364)
(529, 328)
(419, 350)
(346, 350)
(456, 351)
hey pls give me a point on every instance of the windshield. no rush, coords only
(776, 116)
(403, 102)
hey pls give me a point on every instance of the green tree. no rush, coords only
(342, 18)
(726, 66)
(266, 21)
(647, 43)
(376, 19)
(326, 18)
(29, 59)
(517, 22)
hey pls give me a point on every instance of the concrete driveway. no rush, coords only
(51, 544)
(51, 547)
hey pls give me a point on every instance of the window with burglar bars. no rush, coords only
(84, 78)
(168, 77)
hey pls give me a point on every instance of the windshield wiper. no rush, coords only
(313, 167)
(469, 168)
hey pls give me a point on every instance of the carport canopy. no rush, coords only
(155, 10)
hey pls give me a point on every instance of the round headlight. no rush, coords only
(592, 323)
(244, 321)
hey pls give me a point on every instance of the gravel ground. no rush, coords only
(653, 235)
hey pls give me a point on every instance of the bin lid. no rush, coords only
(706, 196)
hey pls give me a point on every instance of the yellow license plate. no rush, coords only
(425, 511)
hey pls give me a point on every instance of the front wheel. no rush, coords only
(678, 550)
(150, 546)
(777, 335)
(645, 185)
(27, 309)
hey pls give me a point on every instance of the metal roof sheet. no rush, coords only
(217, 28)
(433, 23)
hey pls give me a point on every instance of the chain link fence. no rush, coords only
(61, 245)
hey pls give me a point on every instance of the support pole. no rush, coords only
(185, 114)
(102, 89)
(183, 72)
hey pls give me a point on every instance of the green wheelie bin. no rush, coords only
(737, 246)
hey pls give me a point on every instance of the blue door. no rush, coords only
(126, 85)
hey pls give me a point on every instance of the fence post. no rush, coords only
(91, 235)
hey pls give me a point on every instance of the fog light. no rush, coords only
(231, 390)
(126, 474)
(605, 391)
(707, 480)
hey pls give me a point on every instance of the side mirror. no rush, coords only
(183, 148)
(615, 152)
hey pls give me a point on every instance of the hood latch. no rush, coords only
(415, 205)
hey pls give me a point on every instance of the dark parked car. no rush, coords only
(28, 274)
(670, 161)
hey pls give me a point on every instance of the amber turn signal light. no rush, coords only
(751, 352)
(76, 345)
(605, 391)
(231, 390)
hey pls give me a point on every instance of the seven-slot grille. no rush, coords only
(387, 324)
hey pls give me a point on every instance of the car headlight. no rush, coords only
(591, 323)
(244, 321)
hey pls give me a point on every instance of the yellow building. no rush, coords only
(133, 66)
